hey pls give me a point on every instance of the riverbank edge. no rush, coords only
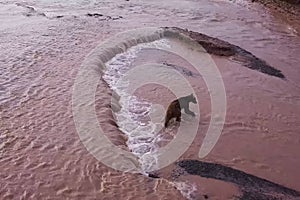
(291, 7)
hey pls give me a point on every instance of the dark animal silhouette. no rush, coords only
(174, 109)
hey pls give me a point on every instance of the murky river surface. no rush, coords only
(42, 45)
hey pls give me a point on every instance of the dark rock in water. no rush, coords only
(103, 17)
(221, 48)
(115, 18)
(119, 17)
(153, 175)
(252, 187)
(94, 15)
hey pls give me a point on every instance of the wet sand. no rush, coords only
(42, 49)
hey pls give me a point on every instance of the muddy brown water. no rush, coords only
(43, 44)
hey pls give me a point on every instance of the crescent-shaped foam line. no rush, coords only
(83, 99)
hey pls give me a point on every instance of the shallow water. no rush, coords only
(41, 154)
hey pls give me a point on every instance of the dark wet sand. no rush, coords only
(252, 187)
(218, 47)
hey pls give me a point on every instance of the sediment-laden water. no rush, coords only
(43, 44)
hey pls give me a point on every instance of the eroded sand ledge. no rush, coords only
(219, 47)
(252, 187)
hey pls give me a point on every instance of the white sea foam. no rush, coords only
(142, 137)
(186, 189)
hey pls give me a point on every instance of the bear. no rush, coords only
(174, 109)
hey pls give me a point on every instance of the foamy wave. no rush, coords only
(186, 189)
(142, 137)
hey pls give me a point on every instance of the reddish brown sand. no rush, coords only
(42, 47)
